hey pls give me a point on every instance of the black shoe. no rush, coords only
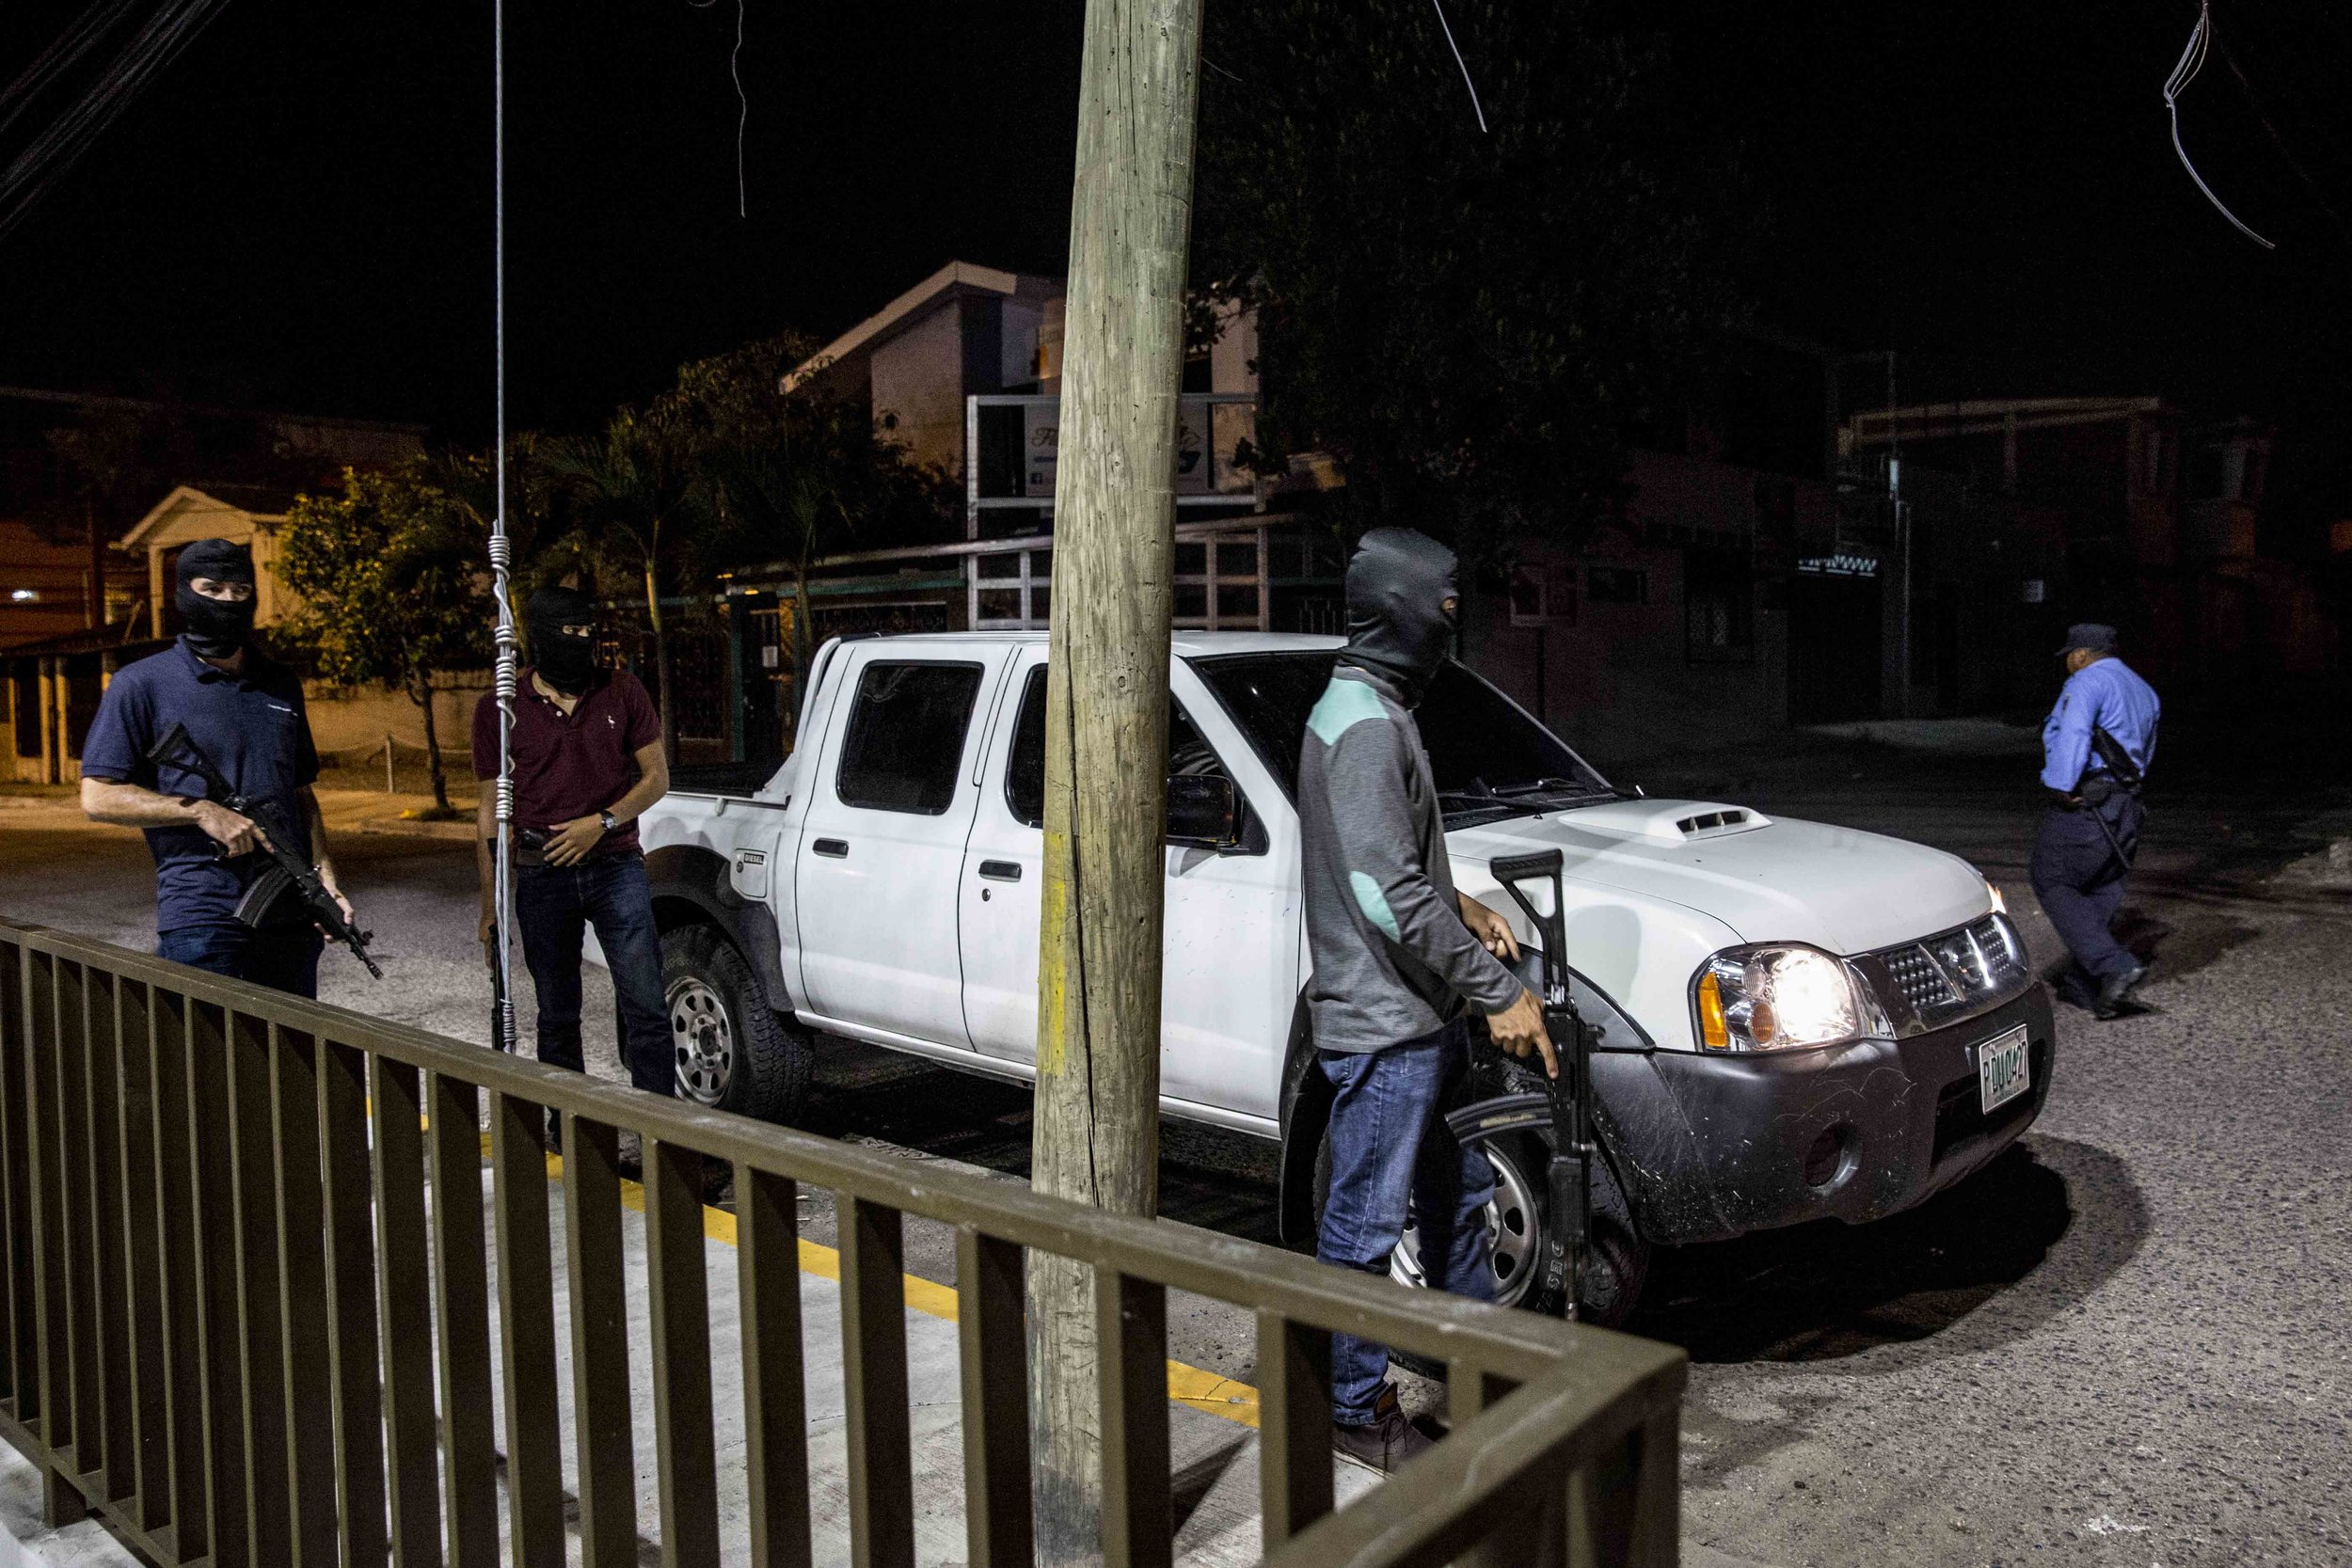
(1386, 1442)
(2116, 992)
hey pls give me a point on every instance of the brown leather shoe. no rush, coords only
(1386, 1442)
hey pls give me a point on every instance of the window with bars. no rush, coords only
(1220, 582)
(1220, 585)
(1012, 590)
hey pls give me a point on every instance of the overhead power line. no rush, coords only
(48, 156)
(2192, 60)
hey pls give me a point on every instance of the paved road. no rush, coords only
(2126, 1343)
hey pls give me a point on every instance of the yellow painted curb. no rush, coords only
(1191, 1386)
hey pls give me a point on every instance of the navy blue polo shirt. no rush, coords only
(255, 729)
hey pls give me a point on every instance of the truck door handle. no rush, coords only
(837, 847)
(1001, 871)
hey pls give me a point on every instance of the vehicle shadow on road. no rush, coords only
(2031, 1234)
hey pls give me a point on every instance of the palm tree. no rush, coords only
(638, 480)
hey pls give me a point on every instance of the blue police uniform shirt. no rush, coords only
(255, 729)
(2107, 693)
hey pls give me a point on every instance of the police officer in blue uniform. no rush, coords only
(245, 711)
(2096, 748)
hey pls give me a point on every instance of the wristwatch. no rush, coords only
(605, 818)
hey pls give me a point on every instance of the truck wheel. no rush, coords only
(731, 1050)
(1517, 1224)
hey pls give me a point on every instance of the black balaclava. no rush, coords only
(1398, 583)
(565, 662)
(216, 628)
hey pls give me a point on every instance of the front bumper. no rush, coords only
(1710, 1146)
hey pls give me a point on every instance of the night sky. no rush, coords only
(297, 214)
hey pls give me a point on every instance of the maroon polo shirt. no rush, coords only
(571, 765)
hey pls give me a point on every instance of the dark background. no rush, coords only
(297, 214)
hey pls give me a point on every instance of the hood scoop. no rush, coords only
(1670, 821)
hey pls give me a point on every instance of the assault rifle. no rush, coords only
(1565, 1105)
(2122, 773)
(288, 872)
(2119, 761)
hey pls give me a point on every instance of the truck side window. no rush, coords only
(1024, 770)
(905, 741)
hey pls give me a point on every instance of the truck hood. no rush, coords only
(1767, 879)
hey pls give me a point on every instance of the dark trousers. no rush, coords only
(553, 905)
(2079, 879)
(283, 958)
(1389, 1149)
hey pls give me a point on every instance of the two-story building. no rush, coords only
(1688, 605)
(2147, 518)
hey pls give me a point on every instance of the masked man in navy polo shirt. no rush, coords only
(246, 713)
(2096, 748)
(588, 761)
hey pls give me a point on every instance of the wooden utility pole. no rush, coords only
(1098, 1030)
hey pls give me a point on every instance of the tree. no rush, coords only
(1469, 321)
(392, 583)
(637, 482)
(793, 473)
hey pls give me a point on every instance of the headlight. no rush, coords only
(1783, 997)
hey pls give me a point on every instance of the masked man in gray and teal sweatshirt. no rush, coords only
(1400, 957)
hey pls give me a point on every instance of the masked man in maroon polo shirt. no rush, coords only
(587, 761)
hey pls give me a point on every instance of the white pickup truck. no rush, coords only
(1794, 1020)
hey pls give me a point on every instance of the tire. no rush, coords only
(1615, 1268)
(1615, 1265)
(729, 1049)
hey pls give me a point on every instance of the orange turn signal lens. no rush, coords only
(1714, 1033)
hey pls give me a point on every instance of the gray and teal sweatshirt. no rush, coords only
(1393, 959)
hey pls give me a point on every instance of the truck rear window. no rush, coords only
(905, 740)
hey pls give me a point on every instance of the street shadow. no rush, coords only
(2198, 938)
(2031, 1235)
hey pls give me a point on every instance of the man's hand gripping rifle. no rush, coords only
(1566, 1103)
(288, 871)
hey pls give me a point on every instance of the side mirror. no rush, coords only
(1203, 811)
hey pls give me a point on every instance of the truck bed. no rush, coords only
(721, 778)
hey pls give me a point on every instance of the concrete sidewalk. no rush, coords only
(1213, 1424)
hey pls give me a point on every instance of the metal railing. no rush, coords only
(248, 1318)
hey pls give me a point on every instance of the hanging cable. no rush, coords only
(1438, 6)
(501, 549)
(742, 99)
(2192, 60)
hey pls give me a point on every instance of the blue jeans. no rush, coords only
(1388, 1146)
(2080, 882)
(553, 905)
(283, 958)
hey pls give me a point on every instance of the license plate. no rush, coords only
(2001, 1069)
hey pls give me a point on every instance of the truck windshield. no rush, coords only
(1491, 758)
